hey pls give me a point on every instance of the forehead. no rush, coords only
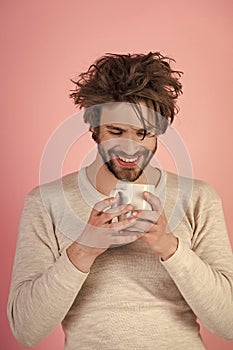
(125, 113)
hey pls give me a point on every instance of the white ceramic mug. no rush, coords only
(130, 193)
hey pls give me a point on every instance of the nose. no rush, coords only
(129, 146)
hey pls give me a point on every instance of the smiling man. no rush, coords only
(116, 277)
(125, 145)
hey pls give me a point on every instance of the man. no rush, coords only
(116, 277)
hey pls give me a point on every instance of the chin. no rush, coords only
(129, 175)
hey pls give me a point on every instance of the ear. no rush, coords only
(94, 134)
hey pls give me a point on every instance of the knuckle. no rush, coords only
(96, 206)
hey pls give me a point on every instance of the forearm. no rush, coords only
(207, 291)
(37, 305)
(82, 257)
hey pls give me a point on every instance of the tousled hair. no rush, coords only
(131, 78)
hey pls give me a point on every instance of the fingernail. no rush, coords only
(134, 237)
(132, 220)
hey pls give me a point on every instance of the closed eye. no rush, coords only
(146, 133)
(115, 132)
(141, 133)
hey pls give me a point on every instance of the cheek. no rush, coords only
(108, 144)
(151, 145)
(102, 136)
(108, 140)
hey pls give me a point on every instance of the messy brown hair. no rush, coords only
(129, 78)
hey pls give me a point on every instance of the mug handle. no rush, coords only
(122, 198)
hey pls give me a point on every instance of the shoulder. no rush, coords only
(63, 185)
(198, 189)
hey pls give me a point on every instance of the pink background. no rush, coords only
(45, 43)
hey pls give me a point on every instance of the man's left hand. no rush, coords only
(155, 227)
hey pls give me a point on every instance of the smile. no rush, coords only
(127, 162)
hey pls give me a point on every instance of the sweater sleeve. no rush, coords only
(203, 272)
(44, 283)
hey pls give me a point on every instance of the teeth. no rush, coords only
(127, 160)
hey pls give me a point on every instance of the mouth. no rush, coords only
(127, 162)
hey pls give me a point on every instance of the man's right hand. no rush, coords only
(101, 232)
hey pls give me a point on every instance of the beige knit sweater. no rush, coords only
(130, 299)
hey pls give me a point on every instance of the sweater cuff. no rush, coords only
(183, 263)
(66, 273)
(177, 258)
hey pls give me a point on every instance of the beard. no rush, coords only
(128, 173)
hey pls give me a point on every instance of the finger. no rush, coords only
(121, 225)
(103, 205)
(124, 237)
(126, 232)
(115, 212)
(153, 201)
(105, 239)
(119, 209)
(132, 213)
(144, 226)
(148, 215)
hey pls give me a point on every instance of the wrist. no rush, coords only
(80, 256)
(172, 248)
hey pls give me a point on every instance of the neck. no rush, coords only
(104, 181)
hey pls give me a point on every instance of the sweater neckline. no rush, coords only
(91, 196)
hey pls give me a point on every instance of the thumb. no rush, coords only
(153, 200)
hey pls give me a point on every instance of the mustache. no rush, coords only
(116, 153)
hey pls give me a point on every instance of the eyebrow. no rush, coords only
(113, 127)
